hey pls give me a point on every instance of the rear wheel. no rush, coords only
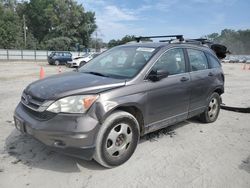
(117, 139)
(212, 111)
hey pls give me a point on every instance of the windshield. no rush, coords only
(119, 62)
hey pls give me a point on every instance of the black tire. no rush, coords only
(212, 110)
(117, 139)
(82, 63)
(57, 62)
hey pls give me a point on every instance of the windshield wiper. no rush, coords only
(96, 73)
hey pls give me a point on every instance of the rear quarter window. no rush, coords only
(197, 59)
(213, 62)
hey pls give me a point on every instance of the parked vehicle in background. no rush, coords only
(247, 61)
(242, 60)
(57, 58)
(233, 59)
(225, 60)
(81, 60)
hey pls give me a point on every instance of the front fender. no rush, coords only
(103, 108)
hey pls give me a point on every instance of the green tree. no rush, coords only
(127, 38)
(236, 41)
(113, 43)
(212, 36)
(62, 43)
(97, 43)
(65, 20)
(10, 27)
(124, 40)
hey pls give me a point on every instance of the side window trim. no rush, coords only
(150, 69)
(208, 60)
(188, 67)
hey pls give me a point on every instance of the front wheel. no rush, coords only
(117, 139)
(213, 109)
(82, 63)
(57, 62)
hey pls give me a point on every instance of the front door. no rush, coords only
(168, 99)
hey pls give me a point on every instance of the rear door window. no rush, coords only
(197, 59)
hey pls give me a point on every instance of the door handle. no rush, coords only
(183, 79)
(210, 74)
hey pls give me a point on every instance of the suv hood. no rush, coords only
(55, 87)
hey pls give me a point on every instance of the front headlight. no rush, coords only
(73, 104)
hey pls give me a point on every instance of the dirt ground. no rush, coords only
(189, 154)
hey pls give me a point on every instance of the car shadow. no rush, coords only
(32, 153)
(245, 165)
(167, 131)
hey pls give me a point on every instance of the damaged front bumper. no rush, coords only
(72, 134)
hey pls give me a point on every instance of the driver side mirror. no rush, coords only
(158, 75)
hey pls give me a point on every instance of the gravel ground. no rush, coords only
(189, 154)
(237, 85)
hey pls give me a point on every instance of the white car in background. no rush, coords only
(81, 60)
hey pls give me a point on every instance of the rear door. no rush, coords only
(168, 99)
(201, 81)
(65, 56)
(68, 56)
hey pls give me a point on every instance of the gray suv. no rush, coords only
(100, 110)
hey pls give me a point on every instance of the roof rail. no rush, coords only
(179, 37)
(199, 41)
(219, 49)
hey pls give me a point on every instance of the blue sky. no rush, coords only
(192, 18)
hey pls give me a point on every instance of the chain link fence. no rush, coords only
(37, 55)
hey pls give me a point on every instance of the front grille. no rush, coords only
(42, 116)
(31, 101)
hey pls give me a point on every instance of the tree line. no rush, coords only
(238, 42)
(65, 25)
(45, 24)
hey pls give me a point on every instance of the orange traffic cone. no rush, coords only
(59, 69)
(42, 73)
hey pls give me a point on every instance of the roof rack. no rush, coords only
(178, 37)
(201, 41)
(219, 49)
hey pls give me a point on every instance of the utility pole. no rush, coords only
(95, 41)
(88, 28)
(24, 31)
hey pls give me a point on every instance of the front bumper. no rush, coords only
(72, 64)
(51, 61)
(72, 134)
